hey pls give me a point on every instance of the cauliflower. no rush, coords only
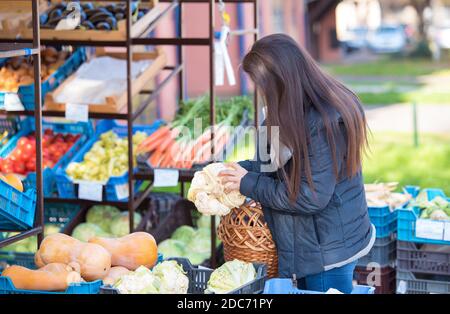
(172, 278)
(141, 281)
(208, 193)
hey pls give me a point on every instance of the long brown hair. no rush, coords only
(291, 82)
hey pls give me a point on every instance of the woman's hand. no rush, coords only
(231, 179)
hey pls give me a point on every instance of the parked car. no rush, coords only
(387, 39)
(356, 38)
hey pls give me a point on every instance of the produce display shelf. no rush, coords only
(415, 257)
(26, 127)
(67, 188)
(26, 92)
(415, 283)
(116, 103)
(120, 34)
(60, 214)
(285, 286)
(381, 278)
(383, 252)
(7, 287)
(408, 218)
(199, 277)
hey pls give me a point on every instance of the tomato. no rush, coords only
(7, 166)
(22, 142)
(31, 166)
(19, 167)
(49, 164)
(17, 153)
(52, 148)
(48, 132)
(57, 155)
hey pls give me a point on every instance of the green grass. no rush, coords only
(392, 97)
(391, 67)
(394, 158)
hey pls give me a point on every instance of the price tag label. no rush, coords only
(447, 231)
(77, 112)
(90, 191)
(166, 177)
(122, 191)
(429, 229)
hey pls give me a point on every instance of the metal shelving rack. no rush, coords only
(14, 49)
(135, 199)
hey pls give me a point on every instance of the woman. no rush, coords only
(314, 202)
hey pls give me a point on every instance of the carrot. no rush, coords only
(166, 160)
(151, 146)
(155, 158)
(204, 153)
(161, 132)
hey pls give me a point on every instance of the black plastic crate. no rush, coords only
(417, 283)
(420, 258)
(385, 284)
(198, 279)
(383, 252)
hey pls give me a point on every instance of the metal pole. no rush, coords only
(38, 119)
(415, 125)
(212, 116)
(130, 119)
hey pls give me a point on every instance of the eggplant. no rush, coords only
(55, 13)
(87, 6)
(110, 7)
(100, 17)
(43, 18)
(119, 16)
(95, 11)
(112, 22)
(88, 24)
(103, 26)
(140, 15)
(83, 16)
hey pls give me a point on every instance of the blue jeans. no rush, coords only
(340, 278)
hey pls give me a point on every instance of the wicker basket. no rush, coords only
(246, 236)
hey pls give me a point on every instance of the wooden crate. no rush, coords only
(95, 35)
(115, 104)
(13, 13)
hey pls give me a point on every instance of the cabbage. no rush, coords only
(86, 230)
(230, 276)
(120, 225)
(197, 258)
(172, 277)
(171, 248)
(199, 244)
(141, 281)
(205, 221)
(206, 233)
(184, 234)
(51, 229)
(101, 215)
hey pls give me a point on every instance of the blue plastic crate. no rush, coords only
(407, 218)
(26, 92)
(7, 287)
(384, 218)
(68, 189)
(17, 208)
(285, 286)
(27, 126)
(54, 213)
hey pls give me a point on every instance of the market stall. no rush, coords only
(78, 214)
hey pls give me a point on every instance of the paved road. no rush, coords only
(399, 118)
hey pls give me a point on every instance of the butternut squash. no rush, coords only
(130, 251)
(51, 277)
(91, 260)
(114, 274)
